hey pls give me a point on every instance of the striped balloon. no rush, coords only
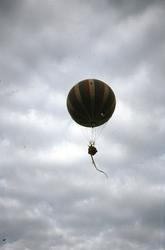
(91, 103)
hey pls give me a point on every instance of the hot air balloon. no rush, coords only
(91, 103)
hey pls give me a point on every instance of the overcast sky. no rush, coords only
(51, 196)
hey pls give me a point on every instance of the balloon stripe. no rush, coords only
(109, 102)
(85, 95)
(97, 97)
(75, 114)
(74, 100)
(76, 106)
(81, 102)
(92, 98)
(100, 113)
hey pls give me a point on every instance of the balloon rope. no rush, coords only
(97, 168)
(103, 126)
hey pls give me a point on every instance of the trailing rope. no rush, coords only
(96, 167)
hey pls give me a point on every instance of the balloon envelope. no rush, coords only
(91, 102)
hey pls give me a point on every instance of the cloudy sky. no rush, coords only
(51, 196)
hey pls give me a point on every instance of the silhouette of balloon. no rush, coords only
(91, 103)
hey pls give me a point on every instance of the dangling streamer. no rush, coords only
(92, 151)
(97, 168)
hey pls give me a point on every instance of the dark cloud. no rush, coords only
(133, 7)
(7, 7)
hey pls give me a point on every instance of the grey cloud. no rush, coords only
(51, 195)
(6, 7)
(133, 7)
